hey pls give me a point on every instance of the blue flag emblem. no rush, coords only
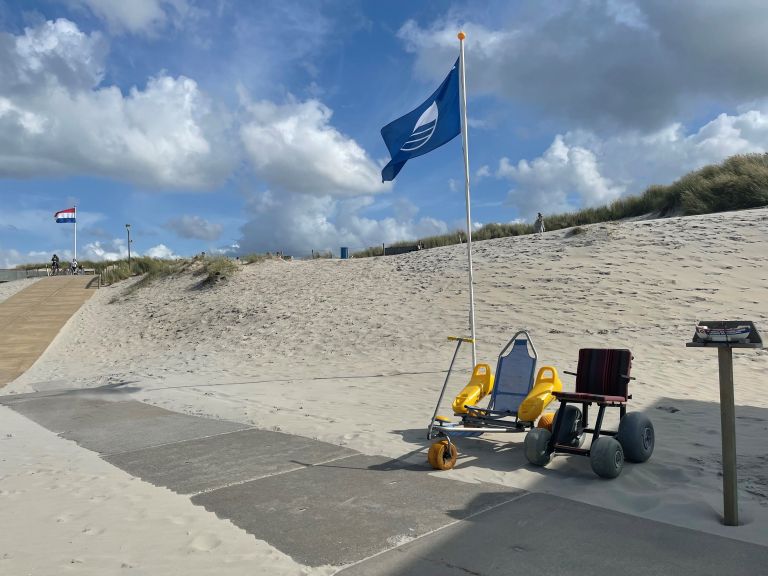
(429, 126)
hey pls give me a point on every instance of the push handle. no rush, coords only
(540, 376)
(461, 338)
(622, 375)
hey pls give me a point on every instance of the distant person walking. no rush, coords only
(73, 265)
(538, 226)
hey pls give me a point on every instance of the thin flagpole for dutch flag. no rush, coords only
(69, 216)
(465, 147)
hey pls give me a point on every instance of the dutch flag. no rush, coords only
(65, 216)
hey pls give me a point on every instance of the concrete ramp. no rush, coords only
(317, 502)
(32, 318)
(545, 534)
(110, 427)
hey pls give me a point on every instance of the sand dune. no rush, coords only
(8, 289)
(353, 352)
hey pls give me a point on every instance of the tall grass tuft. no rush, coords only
(215, 269)
(255, 257)
(150, 269)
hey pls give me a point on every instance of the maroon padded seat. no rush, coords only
(602, 376)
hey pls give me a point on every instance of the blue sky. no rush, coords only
(241, 126)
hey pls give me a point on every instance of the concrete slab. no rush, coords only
(543, 534)
(110, 427)
(350, 509)
(209, 463)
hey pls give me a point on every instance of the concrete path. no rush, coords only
(545, 534)
(327, 505)
(317, 502)
(32, 318)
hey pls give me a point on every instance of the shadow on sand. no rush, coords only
(568, 523)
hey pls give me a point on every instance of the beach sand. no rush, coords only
(8, 289)
(354, 353)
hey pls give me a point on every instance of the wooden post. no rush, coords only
(725, 346)
(728, 433)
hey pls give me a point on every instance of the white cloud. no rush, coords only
(57, 119)
(294, 148)
(116, 249)
(52, 53)
(604, 64)
(563, 178)
(110, 251)
(161, 251)
(136, 16)
(195, 227)
(482, 172)
(299, 223)
(582, 169)
(35, 221)
(10, 258)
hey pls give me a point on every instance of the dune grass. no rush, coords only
(150, 268)
(115, 270)
(215, 269)
(738, 183)
(256, 257)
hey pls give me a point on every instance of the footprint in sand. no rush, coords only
(11, 493)
(205, 543)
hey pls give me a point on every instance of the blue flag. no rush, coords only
(435, 122)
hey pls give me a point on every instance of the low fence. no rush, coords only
(9, 274)
(392, 250)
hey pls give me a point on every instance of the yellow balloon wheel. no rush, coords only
(433, 452)
(442, 455)
(546, 421)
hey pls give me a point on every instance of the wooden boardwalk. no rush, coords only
(30, 320)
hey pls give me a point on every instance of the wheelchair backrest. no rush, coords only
(515, 372)
(603, 371)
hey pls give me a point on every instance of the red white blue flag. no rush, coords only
(65, 216)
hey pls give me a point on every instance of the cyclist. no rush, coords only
(73, 265)
(55, 265)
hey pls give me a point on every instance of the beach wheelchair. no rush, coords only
(517, 398)
(602, 378)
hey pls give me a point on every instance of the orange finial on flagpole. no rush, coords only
(461, 35)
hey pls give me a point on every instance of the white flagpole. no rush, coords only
(465, 146)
